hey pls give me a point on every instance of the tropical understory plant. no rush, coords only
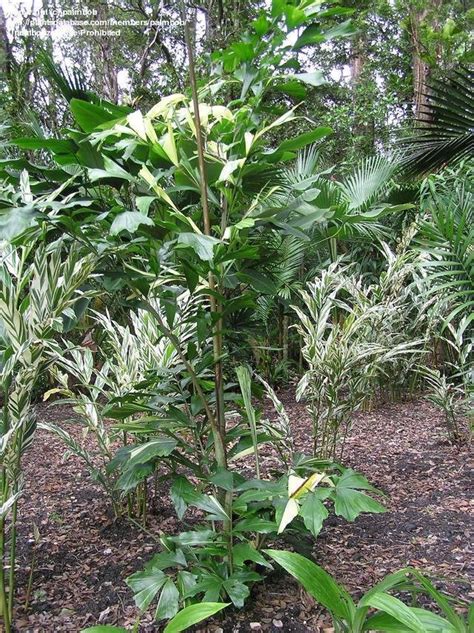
(353, 336)
(377, 609)
(137, 360)
(445, 240)
(38, 293)
(193, 566)
(193, 211)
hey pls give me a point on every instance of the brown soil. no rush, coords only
(83, 556)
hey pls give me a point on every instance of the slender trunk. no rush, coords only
(219, 427)
(3, 597)
(216, 308)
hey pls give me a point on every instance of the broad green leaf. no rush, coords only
(294, 16)
(298, 142)
(111, 170)
(196, 537)
(292, 88)
(317, 582)
(291, 512)
(349, 502)
(58, 146)
(237, 591)
(90, 116)
(314, 35)
(431, 622)
(129, 221)
(352, 479)
(182, 494)
(243, 552)
(154, 448)
(131, 477)
(142, 453)
(143, 203)
(202, 245)
(164, 560)
(229, 168)
(224, 479)
(261, 25)
(315, 78)
(168, 604)
(193, 615)
(396, 608)
(314, 513)
(146, 585)
(104, 628)
(209, 504)
(14, 221)
(255, 524)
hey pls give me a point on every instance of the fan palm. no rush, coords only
(71, 84)
(446, 133)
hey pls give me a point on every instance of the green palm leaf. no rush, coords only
(446, 133)
(368, 183)
(447, 238)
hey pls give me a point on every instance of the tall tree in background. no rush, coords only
(375, 78)
(421, 17)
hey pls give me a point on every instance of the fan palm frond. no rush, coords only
(304, 168)
(71, 84)
(446, 133)
(368, 182)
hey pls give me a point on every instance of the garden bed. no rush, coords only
(83, 556)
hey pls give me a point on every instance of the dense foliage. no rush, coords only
(169, 264)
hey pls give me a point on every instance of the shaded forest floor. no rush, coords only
(83, 557)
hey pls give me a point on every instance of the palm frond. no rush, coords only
(285, 255)
(447, 239)
(71, 84)
(446, 133)
(368, 182)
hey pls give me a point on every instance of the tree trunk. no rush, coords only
(421, 69)
(108, 69)
(363, 129)
(6, 55)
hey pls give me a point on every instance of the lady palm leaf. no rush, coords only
(446, 133)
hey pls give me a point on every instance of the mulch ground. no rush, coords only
(83, 557)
